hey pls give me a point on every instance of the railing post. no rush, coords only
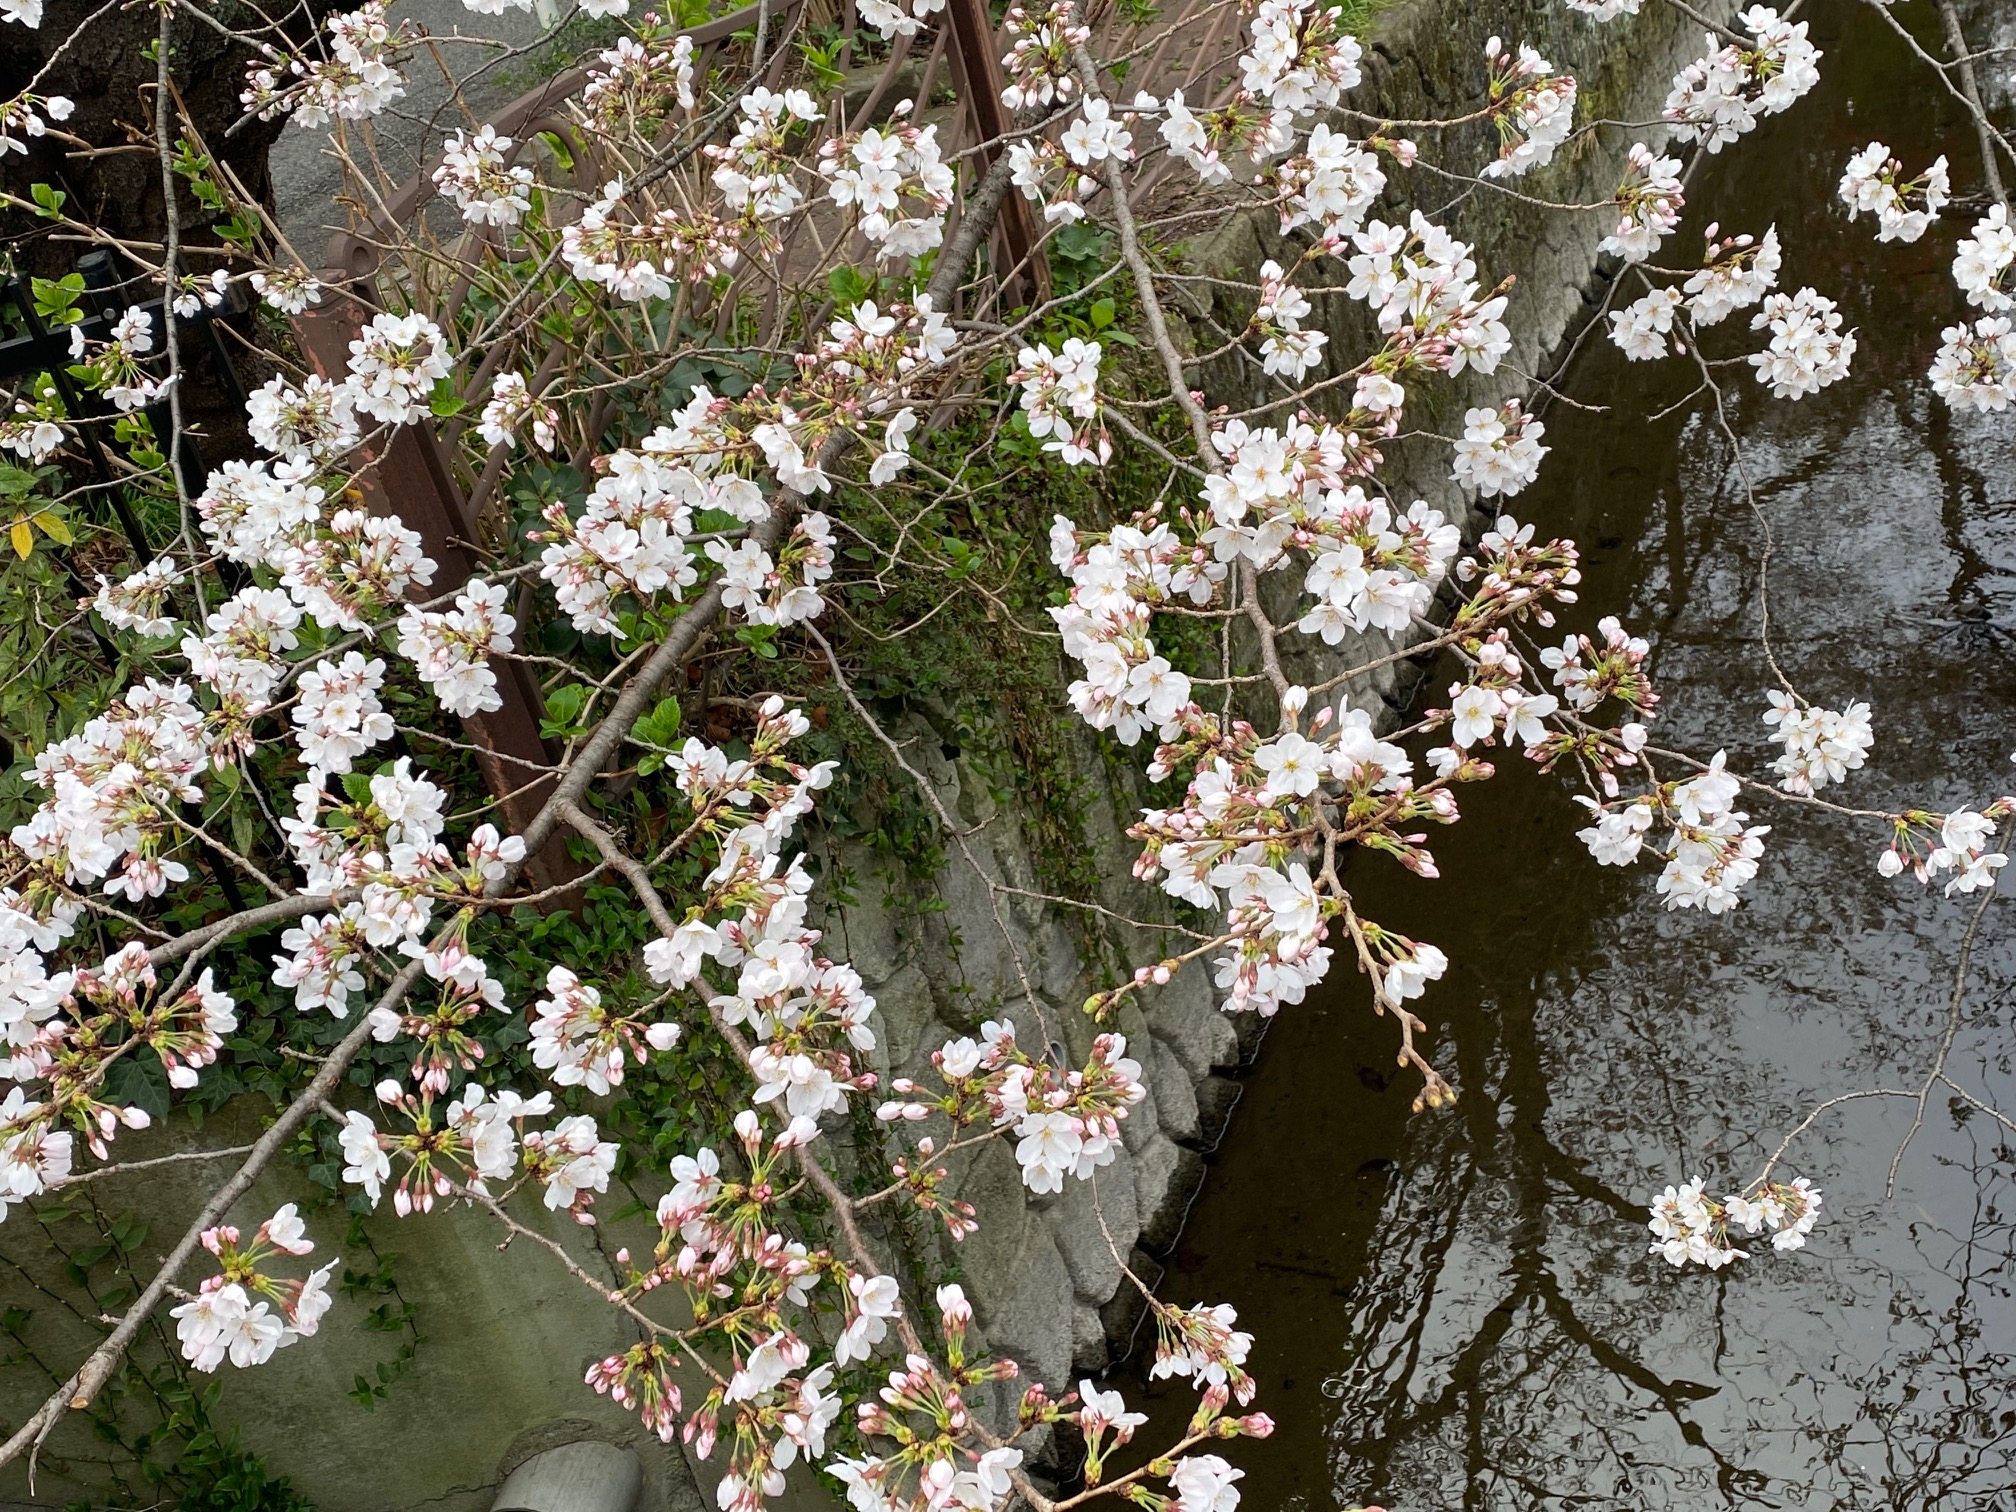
(411, 469)
(976, 50)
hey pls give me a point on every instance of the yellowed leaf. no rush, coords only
(54, 527)
(23, 538)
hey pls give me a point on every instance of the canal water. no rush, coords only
(1457, 1309)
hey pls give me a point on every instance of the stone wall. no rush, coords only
(506, 1337)
(1424, 60)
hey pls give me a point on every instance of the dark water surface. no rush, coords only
(1458, 1309)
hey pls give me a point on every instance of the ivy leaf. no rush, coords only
(138, 1080)
(660, 727)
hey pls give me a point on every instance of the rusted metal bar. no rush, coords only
(409, 476)
(976, 61)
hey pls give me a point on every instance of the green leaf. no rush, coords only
(762, 639)
(563, 710)
(242, 228)
(56, 298)
(50, 200)
(849, 286)
(139, 1080)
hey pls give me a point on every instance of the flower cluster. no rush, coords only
(338, 716)
(1737, 272)
(1500, 451)
(315, 423)
(115, 786)
(1648, 202)
(1640, 329)
(1330, 184)
(640, 78)
(451, 651)
(1710, 854)
(1065, 1123)
(1976, 365)
(1286, 348)
(1060, 398)
(1721, 97)
(579, 1042)
(1808, 350)
(1873, 185)
(1822, 746)
(243, 1314)
(137, 602)
(631, 536)
(890, 19)
(484, 184)
(356, 79)
(1981, 267)
(780, 592)
(756, 169)
(1300, 59)
(34, 430)
(896, 183)
(512, 406)
(395, 362)
(1532, 106)
(1689, 1227)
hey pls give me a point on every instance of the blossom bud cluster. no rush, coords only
(1039, 66)
(1931, 845)
(1532, 106)
(640, 79)
(29, 115)
(639, 257)
(63, 1031)
(1065, 1123)
(1649, 201)
(244, 1314)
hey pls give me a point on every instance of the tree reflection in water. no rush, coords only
(1471, 1291)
